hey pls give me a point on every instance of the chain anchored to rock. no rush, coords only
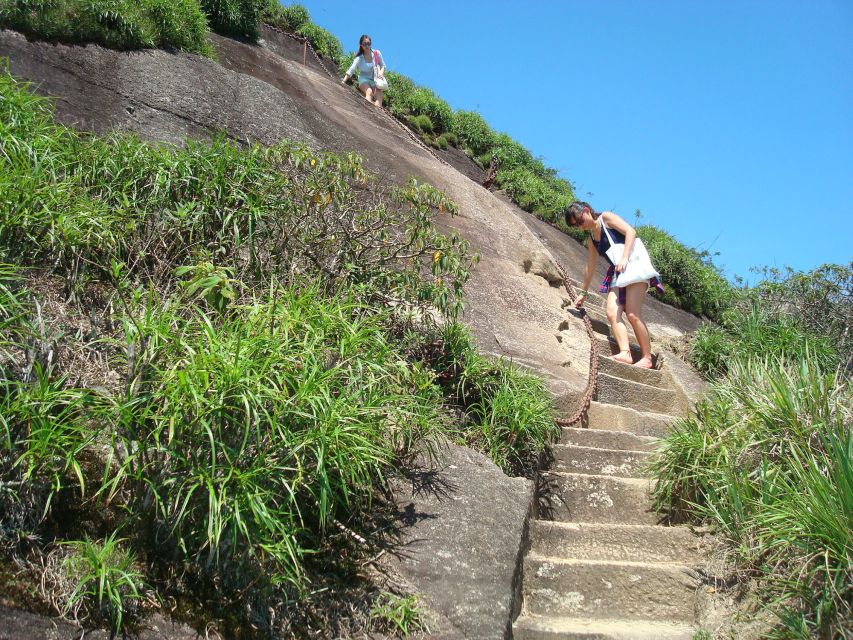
(586, 398)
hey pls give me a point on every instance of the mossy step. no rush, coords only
(612, 417)
(577, 497)
(635, 395)
(618, 542)
(596, 589)
(532, 627)
(596, 461)
(620, 440)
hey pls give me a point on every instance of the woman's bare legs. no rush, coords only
(618, 328)
(377, 97)
(366, 91)
(635, 294)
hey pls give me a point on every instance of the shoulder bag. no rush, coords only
(378, 76)
(639, 267)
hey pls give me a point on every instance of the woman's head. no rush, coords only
(574, 214)
(364, 44)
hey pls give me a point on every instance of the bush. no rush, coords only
(767, 457)
(474, 132)
(324, 42)
(509, 411)
(422, 123)
(235, 17)
(118, 24)
(289, 18)
(451, 138)
(691, 281)
(441, 142)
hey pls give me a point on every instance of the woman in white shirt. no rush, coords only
(370, 64)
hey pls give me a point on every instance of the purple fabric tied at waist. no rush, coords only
(606, 284)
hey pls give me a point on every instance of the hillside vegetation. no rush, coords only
(767, 457)
(212, 359)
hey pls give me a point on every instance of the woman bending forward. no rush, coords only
(629, 298)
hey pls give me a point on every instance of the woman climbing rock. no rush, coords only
(371, 71)
(630, 275)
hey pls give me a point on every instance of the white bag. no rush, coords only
(639, 267)
(378, 76)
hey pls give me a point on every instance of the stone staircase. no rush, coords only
(601, 566)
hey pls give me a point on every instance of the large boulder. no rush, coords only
(463, 525)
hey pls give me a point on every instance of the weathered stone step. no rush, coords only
(576, 497)
(601, 462)
(598, 589)
(620, 440)
(651, 377)
(591, 541)
(531, 627)
(642, 397)
(608, 345)
(612, 417)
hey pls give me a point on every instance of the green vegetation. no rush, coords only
(691, 281)
(263, 348)
(103, 574)
(118, 24)
(767, 456)
(235, 17)
(397, 613)
(793, 315)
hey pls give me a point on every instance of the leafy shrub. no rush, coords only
(422, 123)
(323, 41)
(451, 138)
(474, 132)
(767, 457)
(509, 411)
(118, 24)
(691, 281)
(289, 18)
(819, 301)
(753, 329)
(441, 141)
(97, 202)
(235, 17)
(306, 405)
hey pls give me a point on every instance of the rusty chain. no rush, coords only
(583, 405)
(586, 398)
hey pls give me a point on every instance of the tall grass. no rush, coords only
(262, 312)
(117, 24)
(767, 458)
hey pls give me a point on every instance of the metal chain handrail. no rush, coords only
(592, 383)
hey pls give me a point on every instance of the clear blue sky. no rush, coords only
(729, 123)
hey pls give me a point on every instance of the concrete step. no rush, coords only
(612, 417)
(531, 627)
(619, 542)
(620, 440)
(601, 462)
(651, 377)
(576, 497)
(596, 589)
(642, 397)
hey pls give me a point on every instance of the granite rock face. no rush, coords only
(463, 525)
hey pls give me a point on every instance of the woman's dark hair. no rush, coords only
(576, 210)
(360, 41)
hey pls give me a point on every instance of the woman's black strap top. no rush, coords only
(604, 244)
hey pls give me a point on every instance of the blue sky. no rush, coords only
(727, 123)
